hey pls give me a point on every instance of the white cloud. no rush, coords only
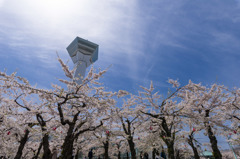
(120, 27)
(52, 25)
(225, 41)
(64, 19)
(129, 33)
(1, 3)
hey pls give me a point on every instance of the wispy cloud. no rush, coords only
(52, 25)
(1, 3)
(144, 40)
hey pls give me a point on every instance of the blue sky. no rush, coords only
(142, 40)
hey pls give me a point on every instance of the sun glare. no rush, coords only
(55, 8)
(53, 12)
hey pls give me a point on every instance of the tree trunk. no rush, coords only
(195, 152)
(154, 153)
(170, 148)
(132, 148)
(77, 154)
(45, 143)
(22, 144)
(39, 149)
(119, 155)
(178, 154)
(67, 149)
(216, 153)
(46, 151)
(106, 146)
(171, 137)
(119, 152)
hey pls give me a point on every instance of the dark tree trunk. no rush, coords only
(190, 142)
(119, 155)
(46, 151)
(127, 156)
(154, 153)
(195, 152)
(216, 153)
(118, 147)
(132, 148)
(170, 149)
(77, 154)
(67, 149)
(106, 146)
(196, 156)
(170, 138)
(141, 155)
(22, 144)
(39, 149)
(178, 154)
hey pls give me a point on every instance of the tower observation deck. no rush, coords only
(83, 53)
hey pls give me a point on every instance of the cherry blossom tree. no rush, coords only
(206, 104)
(164, 114)
(128, 119)
(17, 90)
(72, 118)
(120, 147)
(73, 109)
(193, 143)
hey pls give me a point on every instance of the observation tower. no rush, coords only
(83, 53)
